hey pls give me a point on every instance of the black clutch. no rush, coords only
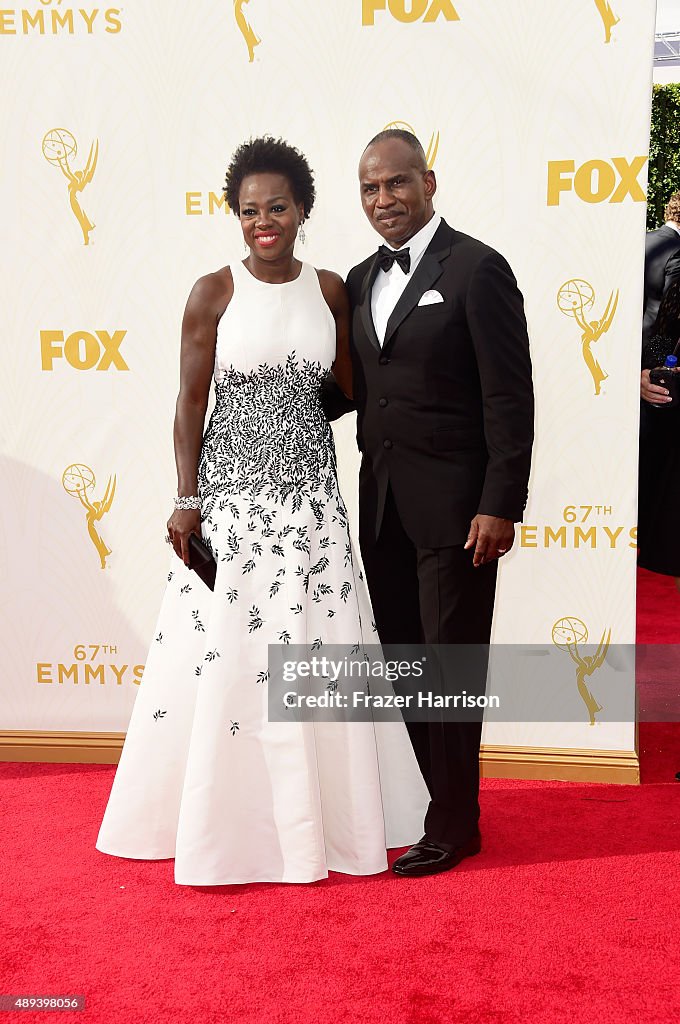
(655, 350)
(202, 560)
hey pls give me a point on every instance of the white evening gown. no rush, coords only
(204, 777)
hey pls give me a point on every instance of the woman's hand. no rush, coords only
(652, 393)
(181, 524)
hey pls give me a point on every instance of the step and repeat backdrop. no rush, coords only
(116, 131)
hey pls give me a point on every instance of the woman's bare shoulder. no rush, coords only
(332, 288)
(213, 291)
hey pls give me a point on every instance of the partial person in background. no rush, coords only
(658, 427)
(659, 477)
(662, 264)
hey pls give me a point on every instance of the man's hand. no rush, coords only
(655, 394)
(492, 536)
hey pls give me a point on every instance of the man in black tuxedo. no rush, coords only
(443, 392)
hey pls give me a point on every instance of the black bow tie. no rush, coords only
(386, 257)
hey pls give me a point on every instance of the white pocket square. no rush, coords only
(429, 298)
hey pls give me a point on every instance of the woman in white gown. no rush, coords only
(204, 776)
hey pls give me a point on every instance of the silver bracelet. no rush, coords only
(192, 501)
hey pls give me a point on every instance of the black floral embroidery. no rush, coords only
(270, 503)
(319, 566)
(305, 577)
(234, 727)
(159, 714)
(268, 435)
(233, 544)
(301, 542)
(318, 508)
(254, 619)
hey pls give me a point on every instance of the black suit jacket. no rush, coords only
(662, 267)
(445, 409)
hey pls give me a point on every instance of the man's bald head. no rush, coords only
(400, 134)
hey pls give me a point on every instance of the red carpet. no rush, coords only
(658, 609)
(658, 622)
(569, 915)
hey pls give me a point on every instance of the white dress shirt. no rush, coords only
(389, 285)
(669, 224)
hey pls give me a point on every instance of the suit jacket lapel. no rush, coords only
(365, 303)
(424, 276)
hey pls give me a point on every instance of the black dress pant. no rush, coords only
(434, 596)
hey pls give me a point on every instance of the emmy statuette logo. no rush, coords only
(567, 634)
(59, 148)
(402, 10)
(433, 145)
(246, 29)
(609, 19)
(597, 181)
(79, 481)
(575, 299)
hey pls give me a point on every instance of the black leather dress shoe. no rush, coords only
(426, 858)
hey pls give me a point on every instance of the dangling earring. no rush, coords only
(301, 235)
(245, 247)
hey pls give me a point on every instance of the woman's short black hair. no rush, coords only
(267, 155)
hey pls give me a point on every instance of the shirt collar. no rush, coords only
(672, 224)
(420, 241)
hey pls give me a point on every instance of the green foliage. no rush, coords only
(664, 151)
